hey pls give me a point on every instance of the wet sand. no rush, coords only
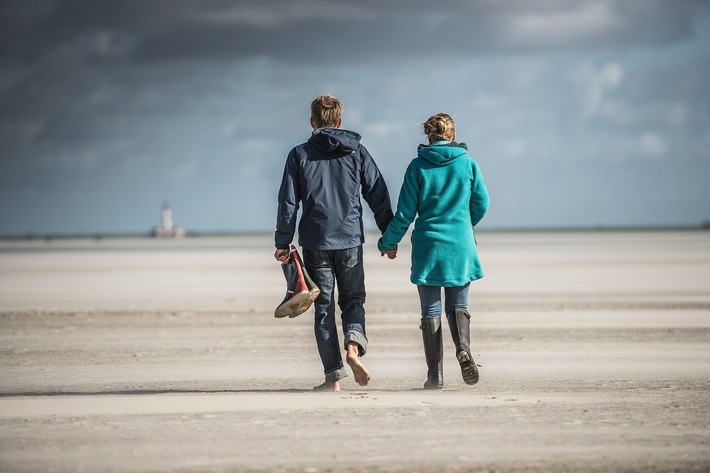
(145, 355)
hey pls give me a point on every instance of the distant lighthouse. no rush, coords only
(167, 229)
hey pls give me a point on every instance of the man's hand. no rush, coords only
(391, 254)
(282, 255)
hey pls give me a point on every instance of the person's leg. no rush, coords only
(350, 278)
(320, 268)
(459, 321)
(456, 297)
(430, 300)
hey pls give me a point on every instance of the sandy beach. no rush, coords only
(141, 355)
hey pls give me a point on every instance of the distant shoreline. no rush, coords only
(30, 236)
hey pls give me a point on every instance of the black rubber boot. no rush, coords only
(433, 352)
(460, 325)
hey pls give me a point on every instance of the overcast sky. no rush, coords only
(580, 113)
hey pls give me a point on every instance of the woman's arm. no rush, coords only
(407, 206)
(478, 206)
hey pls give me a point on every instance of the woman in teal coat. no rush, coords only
(444, 190)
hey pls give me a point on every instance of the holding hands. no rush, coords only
(391, 254)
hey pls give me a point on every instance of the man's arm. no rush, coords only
(374, 191)
(289, 198)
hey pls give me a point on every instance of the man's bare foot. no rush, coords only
(328, 386)
(362, 376)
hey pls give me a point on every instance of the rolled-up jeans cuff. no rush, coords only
(336, 375)
(356, 337)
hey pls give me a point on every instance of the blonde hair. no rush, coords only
(326, 111)
(440, 127)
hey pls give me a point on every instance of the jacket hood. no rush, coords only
(335, 139)
(443, 153)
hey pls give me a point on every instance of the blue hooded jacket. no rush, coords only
(327, 175)
(443, 189)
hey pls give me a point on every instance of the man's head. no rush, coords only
(326, 111)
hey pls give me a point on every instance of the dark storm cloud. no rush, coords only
(326, 31)
(331, 32)
(118, 104)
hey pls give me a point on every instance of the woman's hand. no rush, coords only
(391, 254)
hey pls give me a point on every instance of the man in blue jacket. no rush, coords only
(326, 175)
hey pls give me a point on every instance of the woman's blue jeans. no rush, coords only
(344, 268)
(430, 299)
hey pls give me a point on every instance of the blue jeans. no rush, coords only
(430, 299)
(344, 268)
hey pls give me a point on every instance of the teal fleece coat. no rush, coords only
(444, 187)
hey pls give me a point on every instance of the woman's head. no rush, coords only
(326, 111)
(440, 127)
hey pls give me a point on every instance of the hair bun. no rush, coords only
(440, 127)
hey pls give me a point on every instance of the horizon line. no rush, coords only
(225, 233)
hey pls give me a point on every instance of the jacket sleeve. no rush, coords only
(289, 198)
(407, 208)
(374, 191)
(478, 206)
